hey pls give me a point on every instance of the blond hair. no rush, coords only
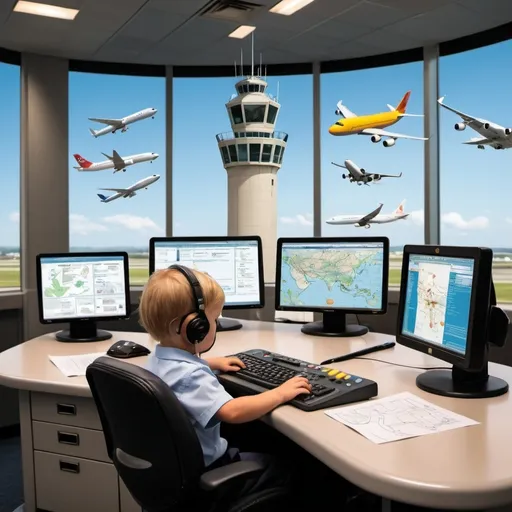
(167, 297)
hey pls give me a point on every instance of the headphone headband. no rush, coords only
(197, 291)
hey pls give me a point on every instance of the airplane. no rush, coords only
(116, 124)
(130, 191)
(360, 176)
(374, 217)
(494, 135)
(372, 124)
(116, 162)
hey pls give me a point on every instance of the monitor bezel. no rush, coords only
(478, 316)
(327, 240)
(124, 255)
(199, 239)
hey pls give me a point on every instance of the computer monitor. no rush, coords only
(82, 288)
(235, 262)
(446, 310)
(335, 277)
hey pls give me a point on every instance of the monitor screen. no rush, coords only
(235, 264)
(85, 286)
(438, 300)
(330, 275)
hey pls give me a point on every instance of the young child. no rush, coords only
(179, 307)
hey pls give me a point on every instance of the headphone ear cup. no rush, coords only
(197, 329)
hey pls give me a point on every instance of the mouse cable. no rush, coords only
(405, 365)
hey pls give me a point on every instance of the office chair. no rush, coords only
(155, 449)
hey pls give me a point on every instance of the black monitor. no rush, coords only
(333, 276)
(235, 262)
(82, 288)
(447, 309)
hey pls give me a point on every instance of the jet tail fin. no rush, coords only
(102, 197)
(402, 106)
(400, 209)
(82, 162)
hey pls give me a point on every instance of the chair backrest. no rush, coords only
(148, 435)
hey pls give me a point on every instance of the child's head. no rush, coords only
(168, 299)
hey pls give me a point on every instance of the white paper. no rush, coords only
(398, 417)
(72, 366)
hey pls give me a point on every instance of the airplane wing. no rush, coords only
(384, 133)
(470, 120)
(364, 220)
(345, 112)
(112, 122)
(338, 165)
(118, 190)
(388, 175)
(479, 140)
(118, 161)
(108, 156)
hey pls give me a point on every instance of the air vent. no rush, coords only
(232, 10)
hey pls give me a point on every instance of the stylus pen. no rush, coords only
(368, 350)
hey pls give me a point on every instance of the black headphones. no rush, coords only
(199, 327)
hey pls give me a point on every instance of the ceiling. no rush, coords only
(177, 32)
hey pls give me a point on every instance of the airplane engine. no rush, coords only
(357, 225)
(508, 131)
(376, 138)
(359, 183)
(367, 226)
(337, 112)
(487, 126)
(388, 143)
(376, 177)
(124, 129)
(344, 176)
(460, 126)
(363, 171)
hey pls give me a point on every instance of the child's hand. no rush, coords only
(293, 387)
(225, 364)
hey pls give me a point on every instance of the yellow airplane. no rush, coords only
(372, 124)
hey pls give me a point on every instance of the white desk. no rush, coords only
(465, 468)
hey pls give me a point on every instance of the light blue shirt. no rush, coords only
(198, 390)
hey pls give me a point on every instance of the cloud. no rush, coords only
(134, 222)
(300, 219)
(455, 220)
(14, 217)
(418, 217)
(81, 225)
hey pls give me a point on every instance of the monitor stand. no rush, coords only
(228, 324)
(83, 331)
(460, 383)
(334, 324)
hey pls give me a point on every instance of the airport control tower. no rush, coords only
(252, 154)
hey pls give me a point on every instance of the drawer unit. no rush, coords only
(72, 484)
(69, 440)
(65, 410)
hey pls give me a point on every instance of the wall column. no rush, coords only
(169, 78)
(44, 211)
(317, 157)
(431, 130)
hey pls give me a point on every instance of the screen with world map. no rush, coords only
(333, 275)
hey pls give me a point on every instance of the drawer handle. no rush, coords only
(68, 409)
(71, 467)
(68, 438)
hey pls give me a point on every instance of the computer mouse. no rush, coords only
(125, 349)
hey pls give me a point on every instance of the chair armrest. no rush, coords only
(216, 478)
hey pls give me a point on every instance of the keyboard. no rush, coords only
(268, 370)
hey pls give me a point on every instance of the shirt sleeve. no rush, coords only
(202, 395)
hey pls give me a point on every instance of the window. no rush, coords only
(254, 152)
(359, 93)
(242, 152)
(254, 113)
(475, 183)
(225, 154)
(236, 114)
(232, 153)
(272, 114)
(277, 153)
(110, 221)
(267, 150)
(10, 204)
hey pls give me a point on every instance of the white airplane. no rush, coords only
(130, 191)
(493, 135)
(374, 217)
(360, 176)
(116, 124)
(116, 162)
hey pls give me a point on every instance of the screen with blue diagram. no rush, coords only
(438, 300)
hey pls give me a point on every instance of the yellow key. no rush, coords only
(326, 370)
(333, 372)
(340, 375)
(347, 377)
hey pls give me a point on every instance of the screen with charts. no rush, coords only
(233, 264)
(83, 287)
(332, 275)
(438, 300)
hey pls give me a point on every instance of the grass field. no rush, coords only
(10, 278)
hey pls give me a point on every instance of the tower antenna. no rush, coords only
(277, 99)
(252, 53)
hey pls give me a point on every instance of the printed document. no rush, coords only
(73, 366)
(398, 417)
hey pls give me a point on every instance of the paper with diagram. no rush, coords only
(398, 417)
(73, 366)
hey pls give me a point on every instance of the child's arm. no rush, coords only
(249, 408)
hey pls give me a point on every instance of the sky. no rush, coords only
(474, 208)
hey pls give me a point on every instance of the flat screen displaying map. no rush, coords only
(83, 287)
(438, 300)
(321, 275)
